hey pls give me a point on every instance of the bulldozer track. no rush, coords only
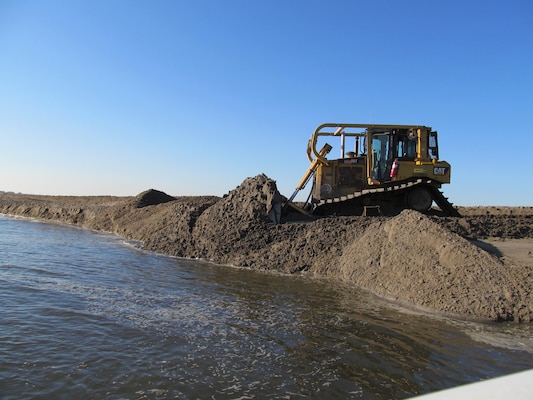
(438, 197)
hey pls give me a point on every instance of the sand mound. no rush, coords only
(152, 197)
(411, 258)
(166, 227)
(424, 261)
(229, 220)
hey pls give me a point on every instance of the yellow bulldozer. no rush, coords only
(382, 169)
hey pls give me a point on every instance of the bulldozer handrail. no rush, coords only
(312, 150)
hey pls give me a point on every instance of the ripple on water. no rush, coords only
(84, 315)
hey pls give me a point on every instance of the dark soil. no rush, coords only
(426, 261)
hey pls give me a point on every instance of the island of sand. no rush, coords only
(465, 266)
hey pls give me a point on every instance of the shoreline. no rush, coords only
(425, 262)
(392, 301)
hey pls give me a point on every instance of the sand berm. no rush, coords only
(425, 261)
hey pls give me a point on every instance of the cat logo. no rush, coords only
(440, 170)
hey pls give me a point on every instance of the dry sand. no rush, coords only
(477, 266)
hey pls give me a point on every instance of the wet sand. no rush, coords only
(476, 266)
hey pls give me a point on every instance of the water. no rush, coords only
(84, 315)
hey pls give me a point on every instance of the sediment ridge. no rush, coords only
(426, 261)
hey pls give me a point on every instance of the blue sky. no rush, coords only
(191, 97)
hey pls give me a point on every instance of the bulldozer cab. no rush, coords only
(389, 145)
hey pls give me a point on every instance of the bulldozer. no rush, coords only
(382, 169)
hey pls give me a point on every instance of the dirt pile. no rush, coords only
(221, 231)
(164, 228)
(426, 261)
(152, 197)
(491, 222)
(412, 258)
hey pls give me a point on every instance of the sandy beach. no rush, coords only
(477, 266)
